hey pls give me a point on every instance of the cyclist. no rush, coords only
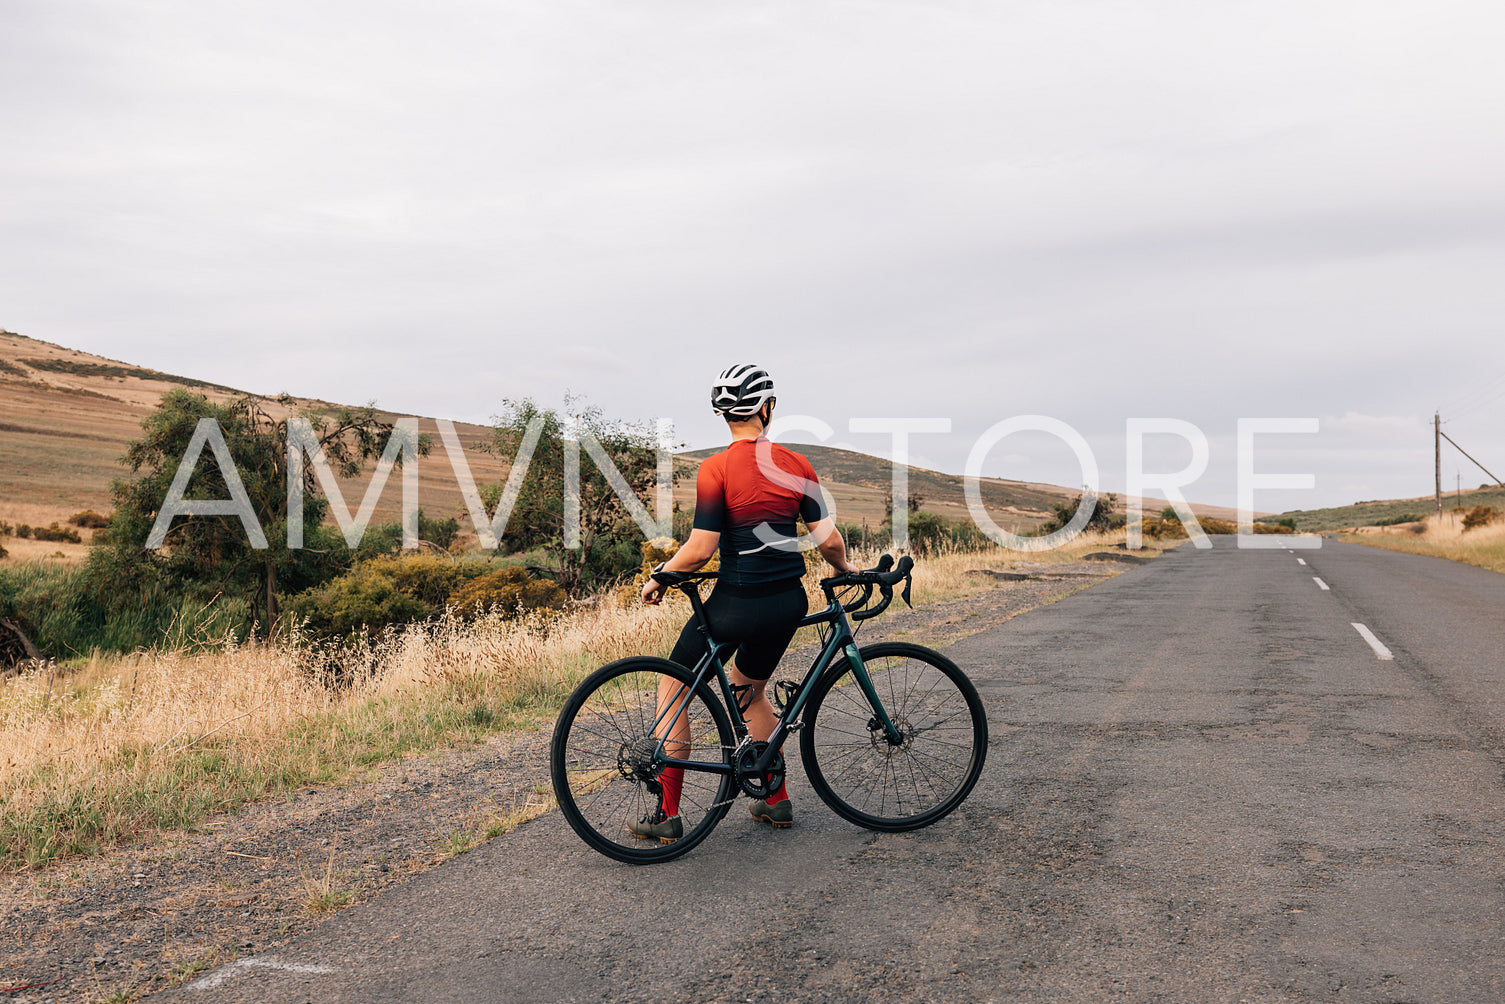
(747, 499)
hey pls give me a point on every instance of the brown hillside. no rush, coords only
(66, 417)
(861, 483)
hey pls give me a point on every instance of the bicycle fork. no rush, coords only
(859, 670)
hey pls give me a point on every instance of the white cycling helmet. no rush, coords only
(741, 391)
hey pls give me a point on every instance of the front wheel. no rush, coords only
(603, 759)
(884, 785)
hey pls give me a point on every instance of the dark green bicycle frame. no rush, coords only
(839, 641)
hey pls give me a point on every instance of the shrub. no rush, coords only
(427, 577)
(1162, 528)
(364, 598)
(23, 531)
(1480, 515)
(89, 520)
(927, 532)
(508, 591)
(3, 552)
(55, 533)
(439, 532)
(1405, 517)
(54, 604)
(1063, 513)
(386, 538)
(6, 529)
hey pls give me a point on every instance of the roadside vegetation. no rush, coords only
(1475, 535)
(124, 746)
(149, 689)
(1390, 512)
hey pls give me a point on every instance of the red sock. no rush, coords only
(673, 781)
(779, 796)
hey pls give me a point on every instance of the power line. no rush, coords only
(1465, 453)
(1472, 400)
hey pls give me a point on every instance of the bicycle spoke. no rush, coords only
(927, 771)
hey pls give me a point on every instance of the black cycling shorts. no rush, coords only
(761, 627)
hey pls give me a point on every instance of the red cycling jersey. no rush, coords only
(754, 506)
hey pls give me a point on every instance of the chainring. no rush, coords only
(753, 783)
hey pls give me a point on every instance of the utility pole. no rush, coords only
(1437, 454)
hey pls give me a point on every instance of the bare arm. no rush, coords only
(831, 546)
(692, 554)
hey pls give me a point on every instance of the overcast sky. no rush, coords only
(1093, 211)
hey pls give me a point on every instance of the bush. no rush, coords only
(439, 532)
(1063, 513)
(386, 538)
(58, 534)
(1164, 529)
(1405, 517)
(6, 529)
(1480, 515)
(55, 606)
(364, 598)
(3, 552)
(508, 591)
(391, 590)
(89, 520)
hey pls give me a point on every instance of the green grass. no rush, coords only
(52, 604)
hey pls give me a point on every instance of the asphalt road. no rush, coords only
(1204, 785)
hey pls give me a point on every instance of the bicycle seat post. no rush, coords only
(691, 589)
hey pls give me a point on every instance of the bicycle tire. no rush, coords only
(850, 762)
(611, 710)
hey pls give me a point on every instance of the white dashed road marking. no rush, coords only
(1379, 647)
(1320, 583)
(1300, 561)
(238, 967)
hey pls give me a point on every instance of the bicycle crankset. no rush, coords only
(758, 784)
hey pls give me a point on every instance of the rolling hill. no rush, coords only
(66, 417)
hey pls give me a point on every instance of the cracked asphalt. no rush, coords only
(1204, 784)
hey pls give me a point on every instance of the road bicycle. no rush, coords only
(892, 735)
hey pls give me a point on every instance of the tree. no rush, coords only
(211, 555)
(1101, 520)
(541, 518)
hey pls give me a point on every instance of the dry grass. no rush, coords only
(128, 745)
(1443, 537)
(19, 549)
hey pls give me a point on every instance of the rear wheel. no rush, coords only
(602, 756)
(883, 785)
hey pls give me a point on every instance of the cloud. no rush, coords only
(1090, 211)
